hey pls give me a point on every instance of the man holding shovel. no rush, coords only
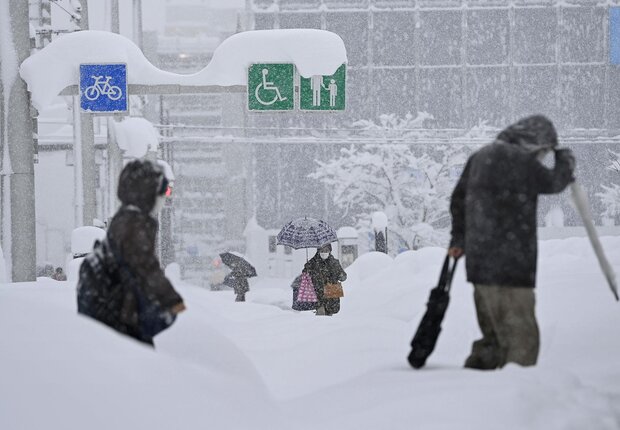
(493, 211)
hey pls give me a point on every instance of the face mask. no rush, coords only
(159, 205)
(324, 255)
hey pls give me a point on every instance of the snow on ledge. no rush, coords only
(55, 67)
(136, 136)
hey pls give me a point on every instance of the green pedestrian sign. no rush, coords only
(321, 92)
(271, 87)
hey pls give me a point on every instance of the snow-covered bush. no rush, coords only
(411, 183)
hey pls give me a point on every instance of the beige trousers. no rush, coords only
(509, 329)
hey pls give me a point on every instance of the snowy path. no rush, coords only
(258, 365)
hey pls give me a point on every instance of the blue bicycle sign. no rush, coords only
(103, 87)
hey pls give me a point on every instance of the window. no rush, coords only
(535, 35)
(440, 35)
(488, 95)
(581, 96)
(487, 36)
(535, 91)
(391, 30)
(440, 94)
(353, 28)
(582, 34)
(394, 91)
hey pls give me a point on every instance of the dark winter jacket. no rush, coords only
(133, 233)
(131, 237)
(493, 206)
(238, 282)
(323, 272)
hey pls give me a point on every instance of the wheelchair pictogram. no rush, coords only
(265, 85)
(102, 87)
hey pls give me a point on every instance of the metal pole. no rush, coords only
(89, 186)
(87, 142)
(19, 137)
(78, 194)
(137, 22)
(115, 155)
(115, 24)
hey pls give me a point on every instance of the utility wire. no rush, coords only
(76, 17)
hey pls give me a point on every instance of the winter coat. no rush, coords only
(494, 204)
(237, 282)
(133, 232)
(323, 272)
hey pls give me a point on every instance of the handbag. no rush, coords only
(297, 305)
(333, 290)
(306, 292)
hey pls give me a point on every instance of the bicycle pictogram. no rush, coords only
(265, 85)
(102, 87)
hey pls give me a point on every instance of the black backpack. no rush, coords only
(100, 293)
(105, 281)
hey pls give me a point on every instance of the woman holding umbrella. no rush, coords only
(325, 269)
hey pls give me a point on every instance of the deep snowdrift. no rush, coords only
(260, 365)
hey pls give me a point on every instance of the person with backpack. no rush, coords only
(493, 211)
(122, 283)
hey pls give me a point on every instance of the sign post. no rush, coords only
(103, 89)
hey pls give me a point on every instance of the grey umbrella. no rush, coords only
(238, 263)
(306, 233)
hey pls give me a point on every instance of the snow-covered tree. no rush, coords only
(411, 183)
(610, 196)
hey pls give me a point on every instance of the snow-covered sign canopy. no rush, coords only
(56, 67)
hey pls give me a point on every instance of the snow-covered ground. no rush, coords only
(260, 365)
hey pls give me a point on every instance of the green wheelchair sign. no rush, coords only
(321, 92)
(271, 87)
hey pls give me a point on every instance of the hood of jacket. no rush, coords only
(139, 184)
(534, 132)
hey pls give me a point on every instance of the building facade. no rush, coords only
(468, 61)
